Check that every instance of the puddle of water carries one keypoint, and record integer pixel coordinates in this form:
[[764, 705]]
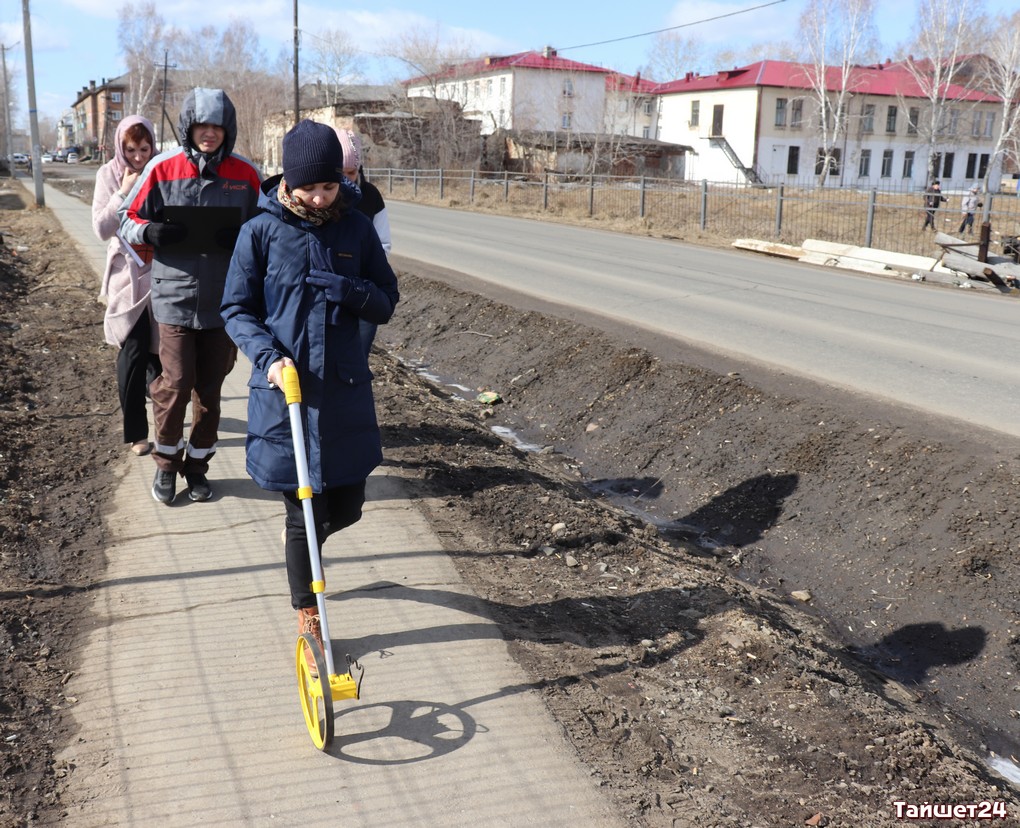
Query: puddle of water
[[459, 392], [1005, 768], [512, 437]]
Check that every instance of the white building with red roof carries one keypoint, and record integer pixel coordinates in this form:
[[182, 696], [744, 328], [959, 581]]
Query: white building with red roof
[[526, 91], [632, 106], [759, 123]]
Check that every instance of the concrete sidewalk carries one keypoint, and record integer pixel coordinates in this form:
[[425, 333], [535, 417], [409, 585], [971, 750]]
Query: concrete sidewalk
[[186, 701]]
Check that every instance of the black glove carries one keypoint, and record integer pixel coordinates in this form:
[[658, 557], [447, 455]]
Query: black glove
[[159, 234], [226, 237]]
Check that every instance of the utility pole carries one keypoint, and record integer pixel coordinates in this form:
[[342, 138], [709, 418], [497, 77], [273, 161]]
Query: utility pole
[[165, 118], [33, 115], [297, 88], [7, 111]]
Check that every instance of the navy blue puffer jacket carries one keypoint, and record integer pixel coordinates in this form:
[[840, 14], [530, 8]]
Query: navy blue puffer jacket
[[271, 312]]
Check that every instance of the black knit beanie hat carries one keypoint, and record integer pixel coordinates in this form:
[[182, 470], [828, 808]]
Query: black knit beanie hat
[[312, 153]]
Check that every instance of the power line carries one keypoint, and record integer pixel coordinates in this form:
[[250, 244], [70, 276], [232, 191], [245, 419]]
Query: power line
[[673, 28]]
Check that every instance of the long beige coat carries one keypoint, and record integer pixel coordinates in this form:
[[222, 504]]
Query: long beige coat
[[125, 285]]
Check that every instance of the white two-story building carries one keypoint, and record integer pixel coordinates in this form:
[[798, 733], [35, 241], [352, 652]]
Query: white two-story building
[[760, 123], [529, 91]]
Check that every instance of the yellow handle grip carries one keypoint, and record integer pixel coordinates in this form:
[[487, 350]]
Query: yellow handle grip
[[291, 384]]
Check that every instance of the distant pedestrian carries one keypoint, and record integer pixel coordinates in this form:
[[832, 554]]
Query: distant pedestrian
[[371, 204], [933, 198], [127, 323], [969, 207]]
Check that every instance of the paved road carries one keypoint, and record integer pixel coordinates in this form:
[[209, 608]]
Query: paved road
[[184, 700], [948, 351]]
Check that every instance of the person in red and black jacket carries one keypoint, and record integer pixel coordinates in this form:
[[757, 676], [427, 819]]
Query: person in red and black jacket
[[187, 282]]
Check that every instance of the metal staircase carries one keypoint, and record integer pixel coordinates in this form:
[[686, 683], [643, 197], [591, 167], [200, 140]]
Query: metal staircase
[[750, 173]]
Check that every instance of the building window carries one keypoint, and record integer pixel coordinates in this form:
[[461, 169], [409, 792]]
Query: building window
[[989, 124], [646, 132], [793, 161], [954, 121], [971, 164], [913, 117], [567, 118], [488, 88], [568, 87], [502, 87], [796, 113], [834, 155], [864, 166], [947, 165], [890, 119], [908, 164], [835, 118], [116, 114], [868, 118], [983, 165], [478, 89], [115, 97], [649, 106], [887, 159], [695, 113], [780, 112], [463, 90]]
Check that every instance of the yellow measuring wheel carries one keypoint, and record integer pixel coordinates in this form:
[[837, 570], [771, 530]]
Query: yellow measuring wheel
[[319, 685]]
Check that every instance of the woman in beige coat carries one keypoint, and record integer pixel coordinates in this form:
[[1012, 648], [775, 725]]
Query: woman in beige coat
[[128, 321]]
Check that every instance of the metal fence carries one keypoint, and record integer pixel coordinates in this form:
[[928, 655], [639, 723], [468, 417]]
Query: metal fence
[[683, 209]]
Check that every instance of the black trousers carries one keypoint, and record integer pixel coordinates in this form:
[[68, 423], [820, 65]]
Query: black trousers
[[136, 368], [332, 510]]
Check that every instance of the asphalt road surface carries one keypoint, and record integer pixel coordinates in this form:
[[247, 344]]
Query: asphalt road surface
[[947, 351]]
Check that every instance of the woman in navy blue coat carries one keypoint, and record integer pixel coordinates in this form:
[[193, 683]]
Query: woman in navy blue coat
[[304, 272]]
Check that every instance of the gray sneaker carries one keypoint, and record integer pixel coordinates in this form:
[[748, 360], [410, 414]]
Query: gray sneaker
[[164, 486]]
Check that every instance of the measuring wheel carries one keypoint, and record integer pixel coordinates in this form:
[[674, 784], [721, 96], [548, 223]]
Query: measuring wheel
[[314, 690], [318, 682]]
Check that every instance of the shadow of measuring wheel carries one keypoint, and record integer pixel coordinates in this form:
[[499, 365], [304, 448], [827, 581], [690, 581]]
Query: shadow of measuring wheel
[[398, 733]]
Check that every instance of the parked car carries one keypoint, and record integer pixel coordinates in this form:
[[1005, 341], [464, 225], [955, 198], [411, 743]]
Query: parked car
[[72, 158], [46, 158], [20, 158]]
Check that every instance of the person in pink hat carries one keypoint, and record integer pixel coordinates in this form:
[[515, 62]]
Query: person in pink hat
[[371, 204]]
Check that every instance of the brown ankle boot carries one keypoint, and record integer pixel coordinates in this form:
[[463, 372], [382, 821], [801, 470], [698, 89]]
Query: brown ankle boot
[[308, 622]]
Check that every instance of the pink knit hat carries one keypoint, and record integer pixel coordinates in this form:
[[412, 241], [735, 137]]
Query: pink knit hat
[[351, 143]]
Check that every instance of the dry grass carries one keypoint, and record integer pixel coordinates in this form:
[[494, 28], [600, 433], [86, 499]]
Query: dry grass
[[680, 210]]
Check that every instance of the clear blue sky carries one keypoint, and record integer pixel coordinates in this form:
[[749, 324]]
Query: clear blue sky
[[75, 41]]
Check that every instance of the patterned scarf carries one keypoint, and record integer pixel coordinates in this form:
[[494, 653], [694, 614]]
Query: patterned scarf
[[314, 215]]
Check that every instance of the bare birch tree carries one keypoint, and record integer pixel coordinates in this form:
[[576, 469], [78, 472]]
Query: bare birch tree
[[672, 55], [335, 61], [426, 53], [145, 41], [1000, 76], [941, 36], [768, 50], [432, 59], [836, 32]]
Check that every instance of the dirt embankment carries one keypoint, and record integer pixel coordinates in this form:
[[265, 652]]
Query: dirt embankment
[[899, 534]]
